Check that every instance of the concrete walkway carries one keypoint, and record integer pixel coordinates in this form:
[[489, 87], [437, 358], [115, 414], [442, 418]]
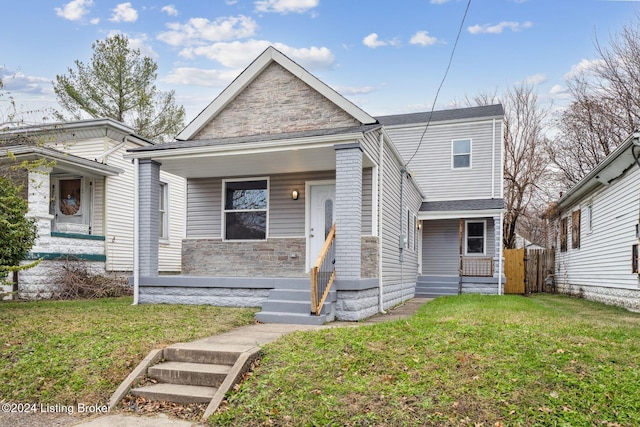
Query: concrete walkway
[[250, 336]]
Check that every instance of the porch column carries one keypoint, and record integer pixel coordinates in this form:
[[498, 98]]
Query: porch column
[[497, 236], [148, 216], [348, 210], [39, 188]]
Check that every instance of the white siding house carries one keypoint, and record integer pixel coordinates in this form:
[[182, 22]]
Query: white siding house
[[88, 169], [595, 232]]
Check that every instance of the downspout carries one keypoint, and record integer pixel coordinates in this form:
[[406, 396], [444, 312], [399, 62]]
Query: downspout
[[380, 217], [500, 245], [493, 161], [136, 234]]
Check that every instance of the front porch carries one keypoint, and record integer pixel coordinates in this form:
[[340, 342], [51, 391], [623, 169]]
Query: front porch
[[255, 229], [461, 248], [65, 196]]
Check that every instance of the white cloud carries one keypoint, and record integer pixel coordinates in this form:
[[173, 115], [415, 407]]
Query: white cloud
[[584, 66], [170, 10], [353, 90], [74, 10], [423, 38], [535, 79], [373, 42], [439, 1], [200, 30], [285, 6], [17, 82], [499, 28], [124, 12], [95, 21], [239, 54], [200, 77], [557, 90]]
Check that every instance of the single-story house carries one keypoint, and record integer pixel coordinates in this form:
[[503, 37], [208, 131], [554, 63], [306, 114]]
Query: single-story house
[[595, 231], [82, 198]]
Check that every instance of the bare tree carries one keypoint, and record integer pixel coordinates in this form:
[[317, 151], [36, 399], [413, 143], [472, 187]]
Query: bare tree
[[525, 160], [605, 107]]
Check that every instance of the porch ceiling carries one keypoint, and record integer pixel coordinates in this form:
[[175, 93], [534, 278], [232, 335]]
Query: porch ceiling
[[247, 163]]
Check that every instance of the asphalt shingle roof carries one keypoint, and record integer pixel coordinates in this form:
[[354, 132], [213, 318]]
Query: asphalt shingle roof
[[442, 115], [462, 205]]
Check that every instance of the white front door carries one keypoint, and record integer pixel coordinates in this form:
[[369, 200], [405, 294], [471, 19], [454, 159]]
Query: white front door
[[321, 217]]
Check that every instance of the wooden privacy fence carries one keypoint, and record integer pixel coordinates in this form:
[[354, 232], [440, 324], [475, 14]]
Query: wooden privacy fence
[[528, 271]]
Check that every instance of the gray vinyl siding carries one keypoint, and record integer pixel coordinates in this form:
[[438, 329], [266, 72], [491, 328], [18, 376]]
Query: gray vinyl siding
[[393, 271], [204, 205], [371, 145], [432, 164], [366, 201], [604, 256], [286, 216], [440, 247]]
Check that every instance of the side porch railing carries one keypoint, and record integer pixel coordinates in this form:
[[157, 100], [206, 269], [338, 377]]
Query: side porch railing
[[323, 273], [476, 266]]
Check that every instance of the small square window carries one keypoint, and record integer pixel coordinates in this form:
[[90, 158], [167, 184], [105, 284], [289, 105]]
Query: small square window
[[461, 153]]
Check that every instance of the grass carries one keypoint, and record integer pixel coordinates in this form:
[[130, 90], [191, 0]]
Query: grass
[[544, 360], [65, 352]]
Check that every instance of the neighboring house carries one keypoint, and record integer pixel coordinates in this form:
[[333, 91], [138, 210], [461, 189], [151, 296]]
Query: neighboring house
[[278, 157], [83, 199], [595, 232]]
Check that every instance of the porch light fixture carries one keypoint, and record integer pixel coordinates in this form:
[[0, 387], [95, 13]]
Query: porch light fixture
[[419, 226], [294, 194]]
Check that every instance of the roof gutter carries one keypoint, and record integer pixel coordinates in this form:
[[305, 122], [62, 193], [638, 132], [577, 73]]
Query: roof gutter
[[592, 179], [275, 145]]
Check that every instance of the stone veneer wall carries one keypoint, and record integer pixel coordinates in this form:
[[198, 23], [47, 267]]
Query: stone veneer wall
[[283, 102], [370, 257], [360, 304], [626, 298], [269, 258], [37, 282]]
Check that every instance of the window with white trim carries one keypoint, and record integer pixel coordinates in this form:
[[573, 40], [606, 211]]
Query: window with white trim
[[461, 154], [163, 209], [589, 219], [475, 237], [246, 203]]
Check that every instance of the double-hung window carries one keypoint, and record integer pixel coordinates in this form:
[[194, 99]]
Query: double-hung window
[[163, 209], [246, 204], [461, 154], [475, 237]]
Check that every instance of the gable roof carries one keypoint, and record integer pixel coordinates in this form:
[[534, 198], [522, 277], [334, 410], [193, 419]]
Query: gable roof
[[457, 114], [267, 57], [62, 160]]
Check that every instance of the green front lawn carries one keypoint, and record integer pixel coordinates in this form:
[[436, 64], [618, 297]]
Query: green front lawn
[[64, 352], [471, 360]]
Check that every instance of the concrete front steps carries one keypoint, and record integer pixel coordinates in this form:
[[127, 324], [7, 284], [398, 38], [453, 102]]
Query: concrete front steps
[[293, 305], [196, 372], [436, 286]]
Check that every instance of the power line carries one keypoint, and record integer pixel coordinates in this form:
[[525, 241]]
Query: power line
[[433, 106]]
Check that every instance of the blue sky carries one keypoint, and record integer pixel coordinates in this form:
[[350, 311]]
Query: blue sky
[[386, 56]]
